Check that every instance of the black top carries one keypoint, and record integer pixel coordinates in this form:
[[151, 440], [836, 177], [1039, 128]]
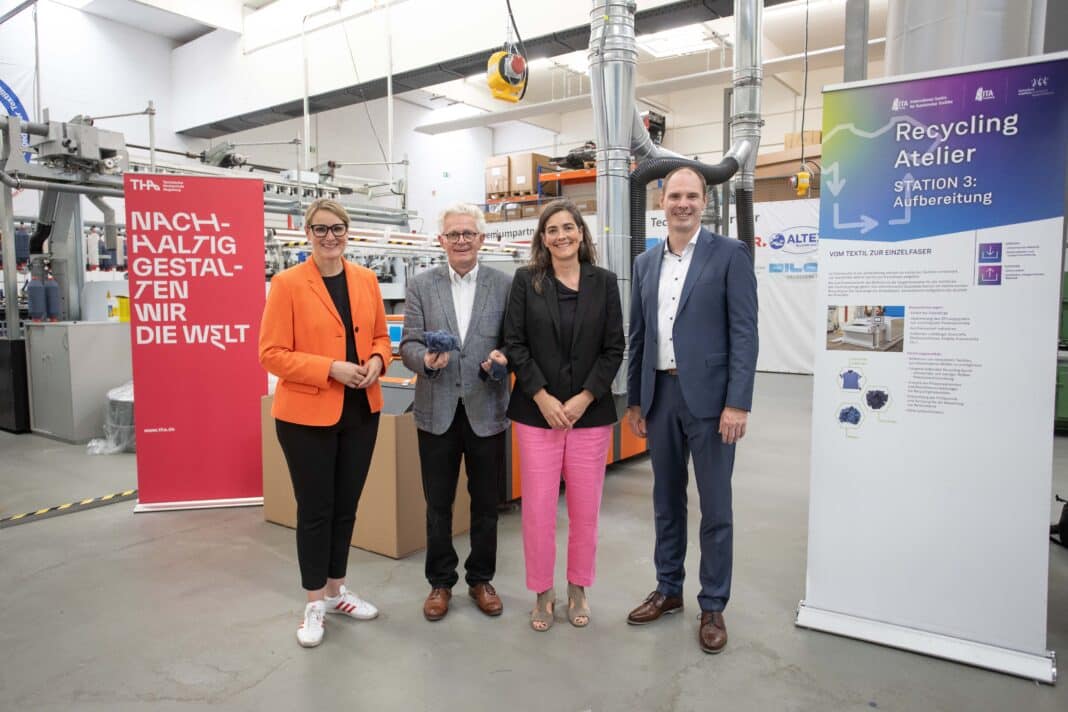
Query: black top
[[355, 398], [567, 298], [540, 353], [339, 292]]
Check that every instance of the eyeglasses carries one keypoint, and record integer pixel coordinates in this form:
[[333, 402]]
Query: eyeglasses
[[467, 235], [337, 230]]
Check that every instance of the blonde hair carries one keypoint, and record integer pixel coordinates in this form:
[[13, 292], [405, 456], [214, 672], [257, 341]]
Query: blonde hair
[[463, 209], [330, 206]]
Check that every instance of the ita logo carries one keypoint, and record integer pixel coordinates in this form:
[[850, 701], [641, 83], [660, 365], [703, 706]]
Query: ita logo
[[982, 94]]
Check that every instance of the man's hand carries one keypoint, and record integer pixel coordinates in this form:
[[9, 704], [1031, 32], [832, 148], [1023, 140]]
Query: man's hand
[[436, 362], [552, 410], [495, 356], [732, 423], [636, 421], [577, 404], [346, 373], [370, 371]]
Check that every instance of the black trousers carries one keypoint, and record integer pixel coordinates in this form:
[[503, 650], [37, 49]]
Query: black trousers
[[439, 458], [328, 466]]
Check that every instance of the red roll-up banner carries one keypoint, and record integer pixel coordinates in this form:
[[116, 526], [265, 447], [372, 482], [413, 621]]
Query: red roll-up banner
[[196, 271]]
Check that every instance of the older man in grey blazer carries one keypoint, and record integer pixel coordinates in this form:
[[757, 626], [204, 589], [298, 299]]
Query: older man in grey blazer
[[460, 404]]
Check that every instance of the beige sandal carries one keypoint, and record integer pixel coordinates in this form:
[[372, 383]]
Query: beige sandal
[[578, 608], [541, 618]]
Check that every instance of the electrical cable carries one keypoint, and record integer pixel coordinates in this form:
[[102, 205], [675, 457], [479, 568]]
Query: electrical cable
[[522, 51], [804, 95], [370, 122]]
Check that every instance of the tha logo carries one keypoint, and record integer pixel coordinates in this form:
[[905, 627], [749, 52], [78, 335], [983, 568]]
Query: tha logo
[[144, 184], [984, 94]]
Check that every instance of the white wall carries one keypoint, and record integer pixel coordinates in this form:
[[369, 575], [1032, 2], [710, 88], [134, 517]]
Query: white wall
[[264, 68], [443, 169], [91, 65], [694, 119]]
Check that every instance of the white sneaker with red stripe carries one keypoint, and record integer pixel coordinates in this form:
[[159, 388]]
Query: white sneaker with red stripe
[[310, 632], [349, 604]]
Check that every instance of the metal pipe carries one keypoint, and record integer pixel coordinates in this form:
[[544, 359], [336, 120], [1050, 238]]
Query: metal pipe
[[642, 145], [111, 232], [151, 136], [11, 275], [36, 66], [613, 54], [389, 94], [747, 80], [30, 184], [16, 10], [33, 128], [856, 41]]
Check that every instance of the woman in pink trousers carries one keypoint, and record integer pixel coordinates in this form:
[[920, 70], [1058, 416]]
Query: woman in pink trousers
[[563, 333]]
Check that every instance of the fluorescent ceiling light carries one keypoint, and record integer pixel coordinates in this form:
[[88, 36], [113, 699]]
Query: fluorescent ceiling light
[[678, 41], [800, 5], [578, 62], [76, 4]]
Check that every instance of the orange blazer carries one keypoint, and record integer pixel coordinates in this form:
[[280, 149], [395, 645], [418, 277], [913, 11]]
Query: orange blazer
[[302, 334]]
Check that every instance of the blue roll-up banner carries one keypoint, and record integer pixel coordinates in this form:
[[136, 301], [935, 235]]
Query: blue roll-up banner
[[940, 262], [13, 106]]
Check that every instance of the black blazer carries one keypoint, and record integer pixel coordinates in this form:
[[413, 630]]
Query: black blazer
[[532, 344]]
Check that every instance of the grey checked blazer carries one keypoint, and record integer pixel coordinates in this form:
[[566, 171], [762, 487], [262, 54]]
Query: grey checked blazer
[[428, 306]]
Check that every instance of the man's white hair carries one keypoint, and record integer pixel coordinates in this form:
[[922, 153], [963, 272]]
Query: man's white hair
[[463, 209]]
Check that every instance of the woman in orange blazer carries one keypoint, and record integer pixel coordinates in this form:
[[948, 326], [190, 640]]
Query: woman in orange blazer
[[324, 335]]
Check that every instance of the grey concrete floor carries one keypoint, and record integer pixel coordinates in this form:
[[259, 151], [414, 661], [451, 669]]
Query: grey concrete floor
[[107, 610]]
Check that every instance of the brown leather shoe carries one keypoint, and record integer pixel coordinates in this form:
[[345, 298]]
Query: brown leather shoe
[[712, 635], [655, 605], [437, 603], [486, 598]]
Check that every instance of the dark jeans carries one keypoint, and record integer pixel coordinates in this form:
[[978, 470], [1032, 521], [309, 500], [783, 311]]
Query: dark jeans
[[675, 436], [439, 457], [328, 466]]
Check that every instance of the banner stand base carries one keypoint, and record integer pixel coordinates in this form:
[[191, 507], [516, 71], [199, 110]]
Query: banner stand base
[[1033, 667], [197, 504]]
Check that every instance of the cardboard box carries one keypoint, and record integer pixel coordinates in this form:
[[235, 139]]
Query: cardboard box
[[391, 517], [793, 140], [531, 211], [524, 167], [498, 175], [586, 205], [494, 216]]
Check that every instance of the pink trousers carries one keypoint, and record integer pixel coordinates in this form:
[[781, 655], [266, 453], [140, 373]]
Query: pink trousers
[[579, 456]]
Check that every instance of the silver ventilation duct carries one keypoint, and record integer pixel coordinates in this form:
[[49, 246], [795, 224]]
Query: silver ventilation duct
[[620, 132], [613, 55], [748, 76]]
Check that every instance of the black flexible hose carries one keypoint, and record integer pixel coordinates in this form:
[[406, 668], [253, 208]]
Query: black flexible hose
[[743, 206], [37, 240], [656, 168]]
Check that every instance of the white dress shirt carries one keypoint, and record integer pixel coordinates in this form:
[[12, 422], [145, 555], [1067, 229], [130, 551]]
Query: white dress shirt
[[463, 298], [673, 269]]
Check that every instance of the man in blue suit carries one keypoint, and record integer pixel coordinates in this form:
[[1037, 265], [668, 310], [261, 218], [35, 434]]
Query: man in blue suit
[[693, 350]]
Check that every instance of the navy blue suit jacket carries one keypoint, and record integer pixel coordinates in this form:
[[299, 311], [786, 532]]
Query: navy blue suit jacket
[[714, 333]]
